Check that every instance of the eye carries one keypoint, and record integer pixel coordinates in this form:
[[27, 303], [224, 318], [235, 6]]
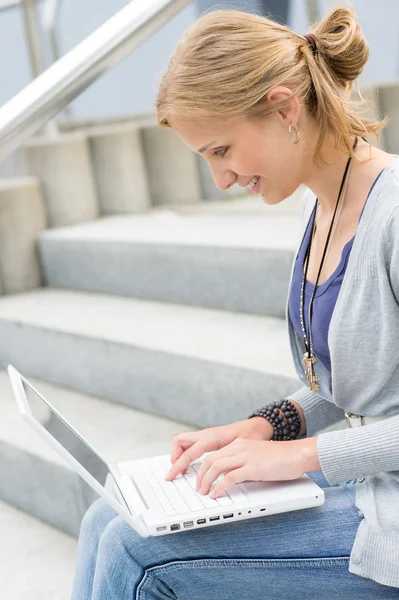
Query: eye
[[220, 153]]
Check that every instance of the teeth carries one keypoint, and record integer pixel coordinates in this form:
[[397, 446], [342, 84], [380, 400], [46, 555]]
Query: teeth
[[253, 182]]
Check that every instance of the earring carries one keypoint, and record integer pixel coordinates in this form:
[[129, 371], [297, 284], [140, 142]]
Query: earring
[[296, 140]]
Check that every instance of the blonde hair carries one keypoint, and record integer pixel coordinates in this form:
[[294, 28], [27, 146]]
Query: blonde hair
[[228, 60]]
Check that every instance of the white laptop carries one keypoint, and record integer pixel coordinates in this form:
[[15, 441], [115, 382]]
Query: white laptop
[[137, 489]]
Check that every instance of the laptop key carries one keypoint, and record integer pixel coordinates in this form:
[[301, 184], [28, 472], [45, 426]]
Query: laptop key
[[188, 494], [141, 482]]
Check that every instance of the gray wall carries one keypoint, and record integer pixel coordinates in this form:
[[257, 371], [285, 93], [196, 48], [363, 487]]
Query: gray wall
[[131, 87]]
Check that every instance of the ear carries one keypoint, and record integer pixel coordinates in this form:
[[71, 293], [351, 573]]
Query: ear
[[290, 109]]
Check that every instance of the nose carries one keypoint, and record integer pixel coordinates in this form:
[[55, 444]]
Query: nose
[[223, 179]]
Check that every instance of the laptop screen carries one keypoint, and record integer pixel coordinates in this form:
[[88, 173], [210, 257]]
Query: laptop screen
[[66, 436]]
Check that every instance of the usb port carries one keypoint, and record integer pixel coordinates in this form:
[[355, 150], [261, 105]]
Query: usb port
[[214, 518], [175, 527], [188, 524], [201, 521], [229, 516], [163, 528]]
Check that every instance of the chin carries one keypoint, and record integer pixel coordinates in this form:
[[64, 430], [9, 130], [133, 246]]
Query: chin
[[271, 200]]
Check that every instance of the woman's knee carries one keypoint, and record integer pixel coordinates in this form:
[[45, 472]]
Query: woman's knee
[[96, 519]]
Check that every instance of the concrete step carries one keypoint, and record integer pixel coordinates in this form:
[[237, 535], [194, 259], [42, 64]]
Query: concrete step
[[201, 366], [235, 256], [37, 561], [36, 479]]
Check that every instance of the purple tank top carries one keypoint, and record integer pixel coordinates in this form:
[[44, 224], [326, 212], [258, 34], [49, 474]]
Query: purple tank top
[[325, 297]]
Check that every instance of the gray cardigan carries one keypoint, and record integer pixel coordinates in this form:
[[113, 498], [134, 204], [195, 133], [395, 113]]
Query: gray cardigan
[[363, 339]]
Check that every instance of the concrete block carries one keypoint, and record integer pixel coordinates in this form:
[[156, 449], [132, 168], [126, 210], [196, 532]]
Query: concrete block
[[22, 217], [199, 366], [43, 488], [119, 169], [48, 557], [389, 103], [172, 169], [14, 165], [209, 260], [63, 165]]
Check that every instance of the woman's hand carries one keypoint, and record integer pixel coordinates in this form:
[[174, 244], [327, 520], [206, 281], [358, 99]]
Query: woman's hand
[[189, 446], [250, 460]]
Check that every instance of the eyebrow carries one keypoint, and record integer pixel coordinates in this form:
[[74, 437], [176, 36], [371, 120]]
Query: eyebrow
[[201, 150]]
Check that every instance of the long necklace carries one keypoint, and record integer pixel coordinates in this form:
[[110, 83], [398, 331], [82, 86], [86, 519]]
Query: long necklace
[[339, 211], [309, 358]]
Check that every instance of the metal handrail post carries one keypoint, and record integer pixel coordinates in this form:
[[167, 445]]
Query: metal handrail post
[[47, 95], [49, 16], [36, 54]]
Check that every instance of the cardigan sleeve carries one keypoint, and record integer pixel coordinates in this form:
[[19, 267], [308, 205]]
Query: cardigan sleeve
[[348, 454], [319, 413]]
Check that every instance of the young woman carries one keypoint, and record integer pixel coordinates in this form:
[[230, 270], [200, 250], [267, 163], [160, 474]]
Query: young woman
[[270, 109]]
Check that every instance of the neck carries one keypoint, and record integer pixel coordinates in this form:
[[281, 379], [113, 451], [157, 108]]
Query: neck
[[325, 179]]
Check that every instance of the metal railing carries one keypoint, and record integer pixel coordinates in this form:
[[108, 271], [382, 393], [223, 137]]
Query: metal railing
[[56, 87]]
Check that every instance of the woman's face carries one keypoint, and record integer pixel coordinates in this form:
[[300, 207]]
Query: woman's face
[[243, 148]]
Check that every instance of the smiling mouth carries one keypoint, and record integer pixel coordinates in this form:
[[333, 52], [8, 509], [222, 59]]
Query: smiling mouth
[[253, 182]]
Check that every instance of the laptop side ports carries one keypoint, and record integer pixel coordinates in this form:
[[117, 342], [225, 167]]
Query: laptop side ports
[[229, 516], [201, 521], [188, 524], [214, 518], [175, 527]]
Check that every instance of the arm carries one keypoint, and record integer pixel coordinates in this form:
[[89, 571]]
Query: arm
[[351, 453], [316, 413]]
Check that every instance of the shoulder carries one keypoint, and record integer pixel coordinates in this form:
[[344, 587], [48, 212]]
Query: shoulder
[[388, 196]]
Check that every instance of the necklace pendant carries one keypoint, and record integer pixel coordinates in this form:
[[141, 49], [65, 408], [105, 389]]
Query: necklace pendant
[[309, 373]]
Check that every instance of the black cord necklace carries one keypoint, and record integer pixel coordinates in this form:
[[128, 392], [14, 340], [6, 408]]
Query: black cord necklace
[[309, 358]]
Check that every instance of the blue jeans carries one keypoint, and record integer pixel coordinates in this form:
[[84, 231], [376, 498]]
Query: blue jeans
[[297, 555]]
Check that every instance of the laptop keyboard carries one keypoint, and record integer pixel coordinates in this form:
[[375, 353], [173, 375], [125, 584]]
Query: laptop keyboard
[[179, 496]]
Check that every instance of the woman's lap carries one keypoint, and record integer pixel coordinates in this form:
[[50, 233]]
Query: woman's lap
[[300, 554]]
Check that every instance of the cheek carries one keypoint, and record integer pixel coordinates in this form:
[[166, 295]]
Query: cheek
[[281, 165], [280, 179]]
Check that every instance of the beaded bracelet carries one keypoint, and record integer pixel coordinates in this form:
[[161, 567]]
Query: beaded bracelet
[[284, 429]]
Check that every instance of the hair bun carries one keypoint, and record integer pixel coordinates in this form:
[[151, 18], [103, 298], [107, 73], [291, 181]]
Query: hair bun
[[342, 44]]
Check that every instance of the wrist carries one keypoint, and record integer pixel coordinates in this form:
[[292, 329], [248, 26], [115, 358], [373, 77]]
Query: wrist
[[307, 449], [264, 427]]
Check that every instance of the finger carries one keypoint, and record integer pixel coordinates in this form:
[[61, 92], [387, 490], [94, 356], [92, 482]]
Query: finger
[[187, 458], [224, 465], [209, 460], [232, 478], [180, 443], [204, 468]]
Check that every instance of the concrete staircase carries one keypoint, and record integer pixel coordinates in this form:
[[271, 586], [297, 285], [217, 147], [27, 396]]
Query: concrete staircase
[[149, 325]]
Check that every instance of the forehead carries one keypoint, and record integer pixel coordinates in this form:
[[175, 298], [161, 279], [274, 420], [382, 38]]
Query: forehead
[[214, 132]]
